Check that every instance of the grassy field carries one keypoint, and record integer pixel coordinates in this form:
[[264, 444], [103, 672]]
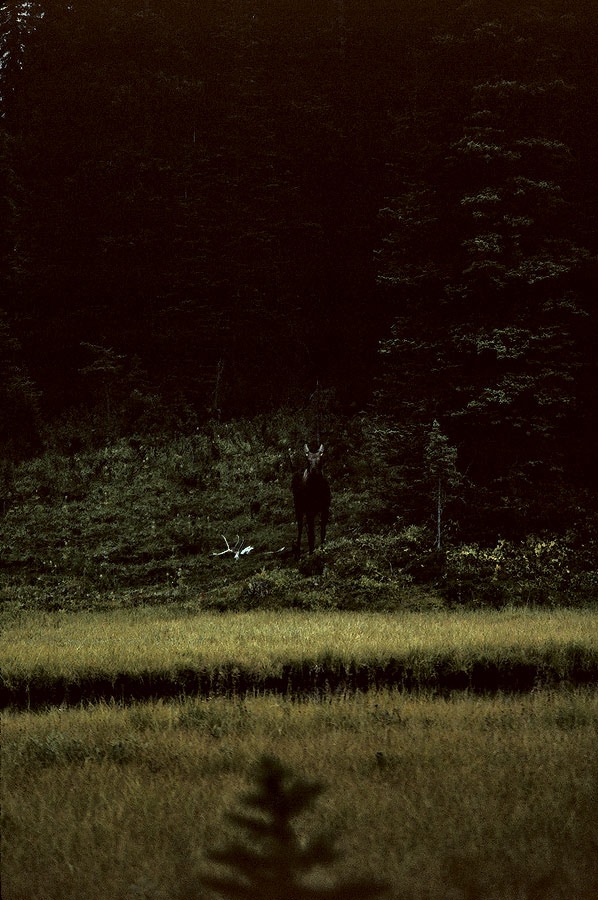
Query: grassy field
[[444, 798], [442, 794], [69, 657]]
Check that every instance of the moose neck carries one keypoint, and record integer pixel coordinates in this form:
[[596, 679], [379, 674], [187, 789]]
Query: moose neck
[[311, 475]]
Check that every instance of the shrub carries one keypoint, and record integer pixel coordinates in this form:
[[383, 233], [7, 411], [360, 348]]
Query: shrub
[[537, 571], [380, 570]]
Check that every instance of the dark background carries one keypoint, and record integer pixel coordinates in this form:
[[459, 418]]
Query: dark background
[[208, 208]]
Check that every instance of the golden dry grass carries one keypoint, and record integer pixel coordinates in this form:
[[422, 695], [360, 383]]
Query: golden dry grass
[[150, 640], [110, 802]]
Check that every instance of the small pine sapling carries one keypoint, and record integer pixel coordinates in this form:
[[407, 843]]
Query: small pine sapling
[[441, 471], [268, 860]]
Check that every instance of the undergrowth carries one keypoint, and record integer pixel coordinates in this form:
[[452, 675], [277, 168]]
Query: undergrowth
[[149, 520]]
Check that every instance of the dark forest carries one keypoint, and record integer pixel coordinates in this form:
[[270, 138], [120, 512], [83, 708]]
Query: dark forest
[[218, 211]]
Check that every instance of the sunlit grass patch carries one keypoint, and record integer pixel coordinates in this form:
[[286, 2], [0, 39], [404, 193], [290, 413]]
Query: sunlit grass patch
[[145, 652]]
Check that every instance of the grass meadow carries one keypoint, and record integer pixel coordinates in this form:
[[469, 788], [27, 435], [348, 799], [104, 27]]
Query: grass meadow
[[460, 797], [446, 700], [441, 793], [64, 657]]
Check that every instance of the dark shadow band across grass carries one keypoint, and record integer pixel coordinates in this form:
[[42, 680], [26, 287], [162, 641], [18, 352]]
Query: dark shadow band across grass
[[305, 679]]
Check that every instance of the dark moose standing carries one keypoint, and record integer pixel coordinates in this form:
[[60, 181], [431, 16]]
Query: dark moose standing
[[311, 494]]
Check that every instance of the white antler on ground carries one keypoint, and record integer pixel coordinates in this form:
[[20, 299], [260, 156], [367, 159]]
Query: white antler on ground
[[237, 549]]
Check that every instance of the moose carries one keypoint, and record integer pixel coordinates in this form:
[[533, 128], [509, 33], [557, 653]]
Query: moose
[[311, 495]]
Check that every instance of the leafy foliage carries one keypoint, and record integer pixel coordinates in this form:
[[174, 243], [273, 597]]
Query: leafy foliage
[[209, 210], [541, 571], [195, 191]]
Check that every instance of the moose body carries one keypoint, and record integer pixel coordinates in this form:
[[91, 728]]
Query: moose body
[[311, 494]]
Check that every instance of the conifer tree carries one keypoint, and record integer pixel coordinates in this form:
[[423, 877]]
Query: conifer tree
[[268, 860], [440, 462], [491, 284]]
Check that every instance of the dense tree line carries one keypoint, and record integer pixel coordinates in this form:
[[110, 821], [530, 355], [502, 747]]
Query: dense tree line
[[208, 207]]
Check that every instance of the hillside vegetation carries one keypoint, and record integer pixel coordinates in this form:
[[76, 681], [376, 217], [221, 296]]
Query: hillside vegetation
[[144, 520], [209, 209]]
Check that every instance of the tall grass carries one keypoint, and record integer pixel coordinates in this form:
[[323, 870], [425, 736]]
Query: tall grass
[[491, 796], [165, 650]]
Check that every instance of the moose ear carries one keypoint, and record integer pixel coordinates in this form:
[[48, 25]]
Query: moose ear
[[321, 450], [306, 450]]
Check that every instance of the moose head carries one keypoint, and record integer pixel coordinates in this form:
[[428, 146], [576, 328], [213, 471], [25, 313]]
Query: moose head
[[314, 460]]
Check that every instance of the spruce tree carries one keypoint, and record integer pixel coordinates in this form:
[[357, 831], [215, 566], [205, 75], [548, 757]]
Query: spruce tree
[[491, 284], [267, 859], [440, 464]]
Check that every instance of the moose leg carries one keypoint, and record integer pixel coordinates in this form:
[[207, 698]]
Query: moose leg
[[311, 533], [323, 524], [299, 533]]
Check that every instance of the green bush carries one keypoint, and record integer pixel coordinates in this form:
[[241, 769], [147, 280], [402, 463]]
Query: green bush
[[537, 571], [376, 571]]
